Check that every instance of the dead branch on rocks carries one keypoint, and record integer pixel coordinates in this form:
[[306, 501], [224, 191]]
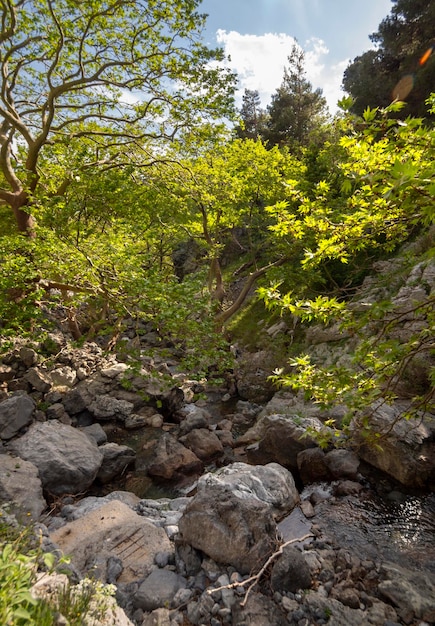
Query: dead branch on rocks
[[253, 580]]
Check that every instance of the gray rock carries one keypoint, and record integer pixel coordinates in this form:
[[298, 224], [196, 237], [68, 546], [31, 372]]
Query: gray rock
[[271, 484], [231, 530], [409, 591], [280, 438], [116, 458], [28, 356], [96, 433], [66, 459], [15, 413], [21, 487], [290, 572], [259, 611], [343, 464], [158, 589], [77, 400], [407, 448], [159, 617], [38, 378], [106, 407], [63, 376], [312, 466]]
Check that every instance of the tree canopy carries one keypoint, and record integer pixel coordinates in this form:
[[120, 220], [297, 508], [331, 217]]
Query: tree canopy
[[120, 75], [401, 41]]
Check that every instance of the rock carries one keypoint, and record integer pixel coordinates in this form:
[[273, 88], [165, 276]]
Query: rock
[[134, 421], [231, 530], [290, 572], [77, 400], [271, 484], [159, 617], [73, 512], [194, 417], [407, 449], [20, 486], [172, 459], [312, 466], [66, 459], [114, 371], [347, 488], [258, 611], [158, 589], [113, 530], [116, 458], [106, 407], [6, 373], [280, 438], [409, 591], [96, 433], [38, 378], [57, 411], [63, 376], [15, 413], [204, 443], [253, 377], [343, 464], [28, 356]]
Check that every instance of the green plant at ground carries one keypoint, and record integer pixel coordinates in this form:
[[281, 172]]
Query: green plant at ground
[[22, 562]]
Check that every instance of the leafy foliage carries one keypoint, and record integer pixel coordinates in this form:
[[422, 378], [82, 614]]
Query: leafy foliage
[[387, 195], [21, 562]]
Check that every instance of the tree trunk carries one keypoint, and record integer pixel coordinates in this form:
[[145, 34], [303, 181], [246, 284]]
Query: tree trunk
[[24, 219], [225, 315]]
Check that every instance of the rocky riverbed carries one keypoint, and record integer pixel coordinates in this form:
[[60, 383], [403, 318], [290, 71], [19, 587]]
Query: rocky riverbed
[[218, 511]]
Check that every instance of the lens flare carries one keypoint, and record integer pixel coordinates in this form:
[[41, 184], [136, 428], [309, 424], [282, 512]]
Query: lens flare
[[426, 55], [403, 87]]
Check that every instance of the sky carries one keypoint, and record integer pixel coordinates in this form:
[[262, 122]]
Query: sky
[[258, 36]]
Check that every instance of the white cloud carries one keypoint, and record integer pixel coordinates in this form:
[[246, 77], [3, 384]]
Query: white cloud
[[259, 61]]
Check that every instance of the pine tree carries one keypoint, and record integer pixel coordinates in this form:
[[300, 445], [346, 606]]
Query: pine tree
[[296, 109], [252, 117]]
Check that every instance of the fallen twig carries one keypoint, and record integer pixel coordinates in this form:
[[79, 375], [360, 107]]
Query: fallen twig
[[256, 577]]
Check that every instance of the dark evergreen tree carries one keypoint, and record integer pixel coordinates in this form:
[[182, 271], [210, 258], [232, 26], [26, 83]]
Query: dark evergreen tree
[[296, 109], [402, 39], [252, 117]]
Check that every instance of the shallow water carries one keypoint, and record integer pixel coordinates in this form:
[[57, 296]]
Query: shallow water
[[401, 531]]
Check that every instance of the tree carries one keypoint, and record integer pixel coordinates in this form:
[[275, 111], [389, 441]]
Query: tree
[[125, 74], [401, 40], [253, 118], [387, 197], [296, 110]]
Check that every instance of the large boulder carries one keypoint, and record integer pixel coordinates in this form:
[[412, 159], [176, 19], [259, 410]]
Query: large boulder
[[67, 460], [15, 413], [204, 443], [271, 484], [252, 374], [112, 530], [116, 458], [406, 448], [21, 488], [279, 439], [172, 460], [234, 531]]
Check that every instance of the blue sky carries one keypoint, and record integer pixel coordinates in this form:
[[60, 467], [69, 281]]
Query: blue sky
[[258, 35]]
